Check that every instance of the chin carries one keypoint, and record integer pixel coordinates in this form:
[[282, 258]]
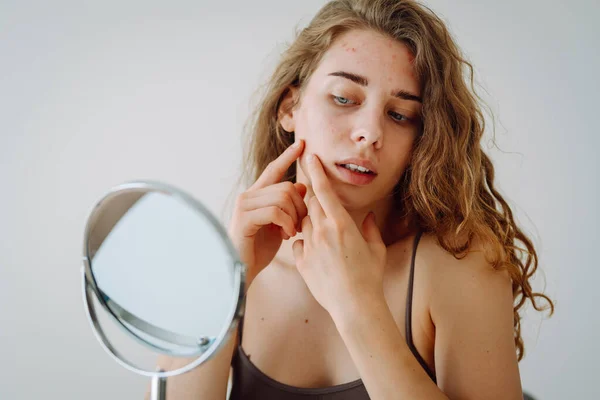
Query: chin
[[350, 201]]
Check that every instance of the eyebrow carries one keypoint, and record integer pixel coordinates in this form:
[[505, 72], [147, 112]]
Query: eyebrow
[[361, 80]]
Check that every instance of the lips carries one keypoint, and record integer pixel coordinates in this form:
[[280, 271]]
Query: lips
[[363, 162], [354, 178]]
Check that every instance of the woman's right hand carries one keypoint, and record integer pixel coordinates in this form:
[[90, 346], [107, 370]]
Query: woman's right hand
[[267, 213]]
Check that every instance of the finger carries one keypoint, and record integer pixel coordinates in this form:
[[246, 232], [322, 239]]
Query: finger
[[301, 208], [323, 190], [301, 189], [276, 195], [276, 169], [307, 227], [298, 248], [269, 215], [283, 200], [317, 215]]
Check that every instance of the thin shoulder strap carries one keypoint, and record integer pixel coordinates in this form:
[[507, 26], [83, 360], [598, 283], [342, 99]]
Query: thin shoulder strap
[[240, 328], [408, 321]]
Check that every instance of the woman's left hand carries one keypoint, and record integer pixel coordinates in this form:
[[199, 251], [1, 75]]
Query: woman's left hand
[[341, 264]]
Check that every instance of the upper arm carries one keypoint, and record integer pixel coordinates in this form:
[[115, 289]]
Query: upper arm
[[210, 380], [475, 353]]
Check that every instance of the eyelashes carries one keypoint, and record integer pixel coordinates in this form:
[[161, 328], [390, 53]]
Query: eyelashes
[[344, 101], [400, 117]]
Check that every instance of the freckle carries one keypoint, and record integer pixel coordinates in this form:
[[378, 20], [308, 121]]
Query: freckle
[[262, 319], [306, 321], [354, 50], [370, 356]]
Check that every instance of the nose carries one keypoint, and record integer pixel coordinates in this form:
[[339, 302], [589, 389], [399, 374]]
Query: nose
[[369, 128]]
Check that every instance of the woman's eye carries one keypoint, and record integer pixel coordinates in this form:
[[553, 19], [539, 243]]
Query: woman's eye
[[398, 117], [342, 100]]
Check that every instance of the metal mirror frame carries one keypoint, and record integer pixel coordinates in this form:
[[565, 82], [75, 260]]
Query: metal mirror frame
[[90, 289]]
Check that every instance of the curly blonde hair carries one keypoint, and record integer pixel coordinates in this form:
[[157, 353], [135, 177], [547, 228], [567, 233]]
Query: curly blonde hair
[[449, 185]]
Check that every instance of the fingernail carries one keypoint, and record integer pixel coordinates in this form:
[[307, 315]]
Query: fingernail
[[310, 158], [297, 143]]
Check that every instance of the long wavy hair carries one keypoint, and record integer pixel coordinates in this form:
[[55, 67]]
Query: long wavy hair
[[449, 185]]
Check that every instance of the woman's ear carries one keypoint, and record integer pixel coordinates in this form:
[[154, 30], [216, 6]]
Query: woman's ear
[[285, 113]]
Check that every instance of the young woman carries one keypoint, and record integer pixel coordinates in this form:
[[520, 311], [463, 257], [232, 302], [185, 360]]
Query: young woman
[[385, 266]]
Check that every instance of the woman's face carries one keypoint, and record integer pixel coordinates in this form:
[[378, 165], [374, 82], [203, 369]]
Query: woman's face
[[362, 101]]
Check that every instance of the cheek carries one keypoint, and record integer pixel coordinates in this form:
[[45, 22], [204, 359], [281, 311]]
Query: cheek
[[320, 128], [401, 155], [334, 128]]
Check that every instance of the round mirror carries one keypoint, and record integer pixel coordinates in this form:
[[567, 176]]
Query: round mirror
[[160, 277]]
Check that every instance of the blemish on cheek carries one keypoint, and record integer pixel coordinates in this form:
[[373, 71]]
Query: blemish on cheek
[[331, 127]]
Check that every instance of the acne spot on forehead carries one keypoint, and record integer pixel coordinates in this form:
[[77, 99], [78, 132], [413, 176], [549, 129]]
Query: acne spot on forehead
[[348, 49]]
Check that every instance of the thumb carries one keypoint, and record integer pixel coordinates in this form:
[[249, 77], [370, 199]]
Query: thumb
[[301, 188], [370, 229]]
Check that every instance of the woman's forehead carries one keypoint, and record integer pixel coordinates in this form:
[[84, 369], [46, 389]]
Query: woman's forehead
[[382, 60]]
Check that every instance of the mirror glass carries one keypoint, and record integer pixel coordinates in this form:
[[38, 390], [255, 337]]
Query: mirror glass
[[164, 276]]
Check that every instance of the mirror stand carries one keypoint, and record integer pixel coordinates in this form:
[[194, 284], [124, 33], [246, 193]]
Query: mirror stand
[[158, 387]]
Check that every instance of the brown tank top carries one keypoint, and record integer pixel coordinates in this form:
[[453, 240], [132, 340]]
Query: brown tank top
[[250, 383]]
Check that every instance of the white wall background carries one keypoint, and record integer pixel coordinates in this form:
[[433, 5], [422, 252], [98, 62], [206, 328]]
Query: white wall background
[[92, 95]]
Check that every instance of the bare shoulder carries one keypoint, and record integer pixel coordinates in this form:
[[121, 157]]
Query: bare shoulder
[[468, 276], [471, 306]]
